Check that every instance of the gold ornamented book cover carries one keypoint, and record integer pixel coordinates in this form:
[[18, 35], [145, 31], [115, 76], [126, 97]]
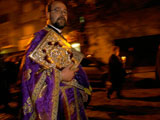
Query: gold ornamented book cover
[[55, 52]]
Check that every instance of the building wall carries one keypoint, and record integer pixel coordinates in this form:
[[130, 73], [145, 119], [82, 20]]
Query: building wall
[[21, 18], [24, 19], [126, 24]]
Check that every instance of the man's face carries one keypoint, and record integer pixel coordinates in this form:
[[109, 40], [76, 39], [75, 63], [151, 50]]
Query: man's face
[[58, 15]]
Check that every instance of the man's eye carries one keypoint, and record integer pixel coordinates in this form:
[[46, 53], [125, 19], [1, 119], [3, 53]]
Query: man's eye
[[65, 12], [57, 10]]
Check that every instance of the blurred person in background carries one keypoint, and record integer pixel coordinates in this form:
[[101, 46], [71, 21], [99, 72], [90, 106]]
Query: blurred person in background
[[116, 73], [4, 83], [12, 68], [44, 95]]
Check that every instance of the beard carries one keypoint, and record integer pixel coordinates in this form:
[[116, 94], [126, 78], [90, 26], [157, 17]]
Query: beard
[[60, 23]]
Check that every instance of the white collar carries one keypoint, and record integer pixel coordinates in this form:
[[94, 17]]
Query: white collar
[[60, 31]]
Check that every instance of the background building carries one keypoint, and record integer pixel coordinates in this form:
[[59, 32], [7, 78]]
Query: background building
[[95, 24]]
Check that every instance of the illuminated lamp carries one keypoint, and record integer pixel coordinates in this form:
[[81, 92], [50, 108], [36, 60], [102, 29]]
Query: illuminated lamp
[[123, 58]]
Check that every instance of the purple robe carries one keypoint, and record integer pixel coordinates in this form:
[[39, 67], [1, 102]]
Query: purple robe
[[44, 97]]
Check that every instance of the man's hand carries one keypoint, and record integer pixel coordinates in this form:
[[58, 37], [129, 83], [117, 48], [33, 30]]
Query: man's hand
[[68, 74]]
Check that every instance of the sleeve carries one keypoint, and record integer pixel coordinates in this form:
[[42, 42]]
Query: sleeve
[[37, 86], [82, 79]]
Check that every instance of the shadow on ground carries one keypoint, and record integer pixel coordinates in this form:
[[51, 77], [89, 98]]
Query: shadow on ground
[[114, 111], [147, 83]]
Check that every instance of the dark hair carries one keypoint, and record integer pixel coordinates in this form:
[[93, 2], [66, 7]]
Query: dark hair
[[49, 6], [115, 48]]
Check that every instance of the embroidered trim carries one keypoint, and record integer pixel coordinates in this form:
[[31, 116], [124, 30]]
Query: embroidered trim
[[72, 107], [42, 90], [39, 86], [66, 87], [77, 105], [90, 88], [27, 74], [86, 90], [74, 83], [27, 107], [66, 100], [77, 85], [33, 117], [36, 92], [49, 71], [55, 95]]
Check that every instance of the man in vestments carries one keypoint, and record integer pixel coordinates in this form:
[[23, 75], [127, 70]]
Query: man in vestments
[[47, 93]]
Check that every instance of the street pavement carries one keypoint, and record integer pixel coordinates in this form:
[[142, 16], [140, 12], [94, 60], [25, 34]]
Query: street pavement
[[141, 99]]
